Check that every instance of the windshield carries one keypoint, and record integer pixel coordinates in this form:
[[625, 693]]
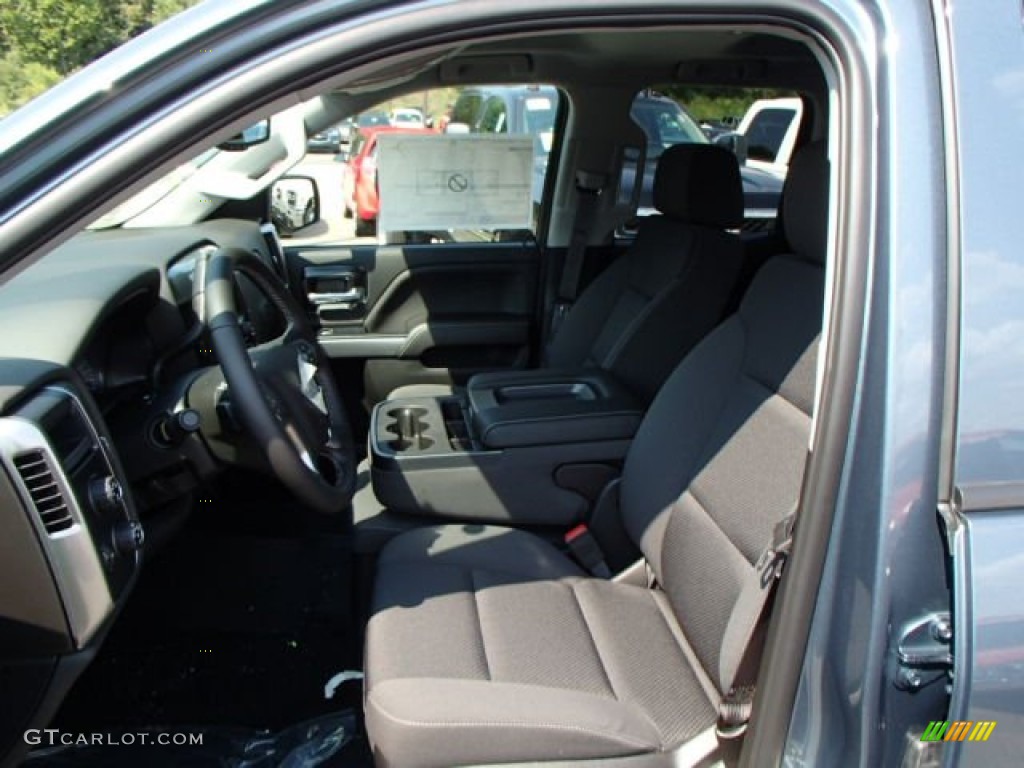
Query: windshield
[[370, 119], [149, 196]]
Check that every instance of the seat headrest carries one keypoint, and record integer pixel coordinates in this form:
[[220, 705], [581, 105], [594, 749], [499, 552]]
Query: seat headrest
[[805, 203], [699, 184]]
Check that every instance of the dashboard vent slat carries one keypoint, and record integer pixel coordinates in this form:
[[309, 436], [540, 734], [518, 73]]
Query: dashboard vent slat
[[47, 498]]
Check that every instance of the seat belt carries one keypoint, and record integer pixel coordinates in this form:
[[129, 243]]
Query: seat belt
[[588, 190], [744, 634], [587, 552]]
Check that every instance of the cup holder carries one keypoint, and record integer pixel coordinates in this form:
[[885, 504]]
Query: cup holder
[[409, 428]]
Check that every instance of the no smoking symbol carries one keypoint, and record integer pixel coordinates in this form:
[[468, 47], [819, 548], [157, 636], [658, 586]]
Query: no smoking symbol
[[458, 183]]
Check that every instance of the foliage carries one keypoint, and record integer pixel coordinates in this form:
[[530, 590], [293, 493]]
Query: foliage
[[42, 41], [21, 81], [718, 103], [58, 34]]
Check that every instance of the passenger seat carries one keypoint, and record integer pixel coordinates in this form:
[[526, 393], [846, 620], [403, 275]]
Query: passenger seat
[[489, 646], [644, 313]]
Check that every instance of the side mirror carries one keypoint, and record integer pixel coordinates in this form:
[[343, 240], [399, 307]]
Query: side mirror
[[735, 143], [294, 204], [254, 134], [456, 128]]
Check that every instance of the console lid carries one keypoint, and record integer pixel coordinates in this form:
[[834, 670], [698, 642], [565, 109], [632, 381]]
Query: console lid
[[545, 407]]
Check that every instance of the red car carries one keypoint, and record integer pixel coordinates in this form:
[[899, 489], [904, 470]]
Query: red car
[[360, 190]]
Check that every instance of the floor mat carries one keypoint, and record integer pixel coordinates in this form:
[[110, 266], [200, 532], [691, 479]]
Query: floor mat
[[232, 632], [225, 631]]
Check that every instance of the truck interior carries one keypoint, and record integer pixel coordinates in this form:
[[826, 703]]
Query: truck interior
[[539, 521]]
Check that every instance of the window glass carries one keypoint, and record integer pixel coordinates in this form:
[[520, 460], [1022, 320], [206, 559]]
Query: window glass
[[664, 123], [675, 114], [766, 131], [372, 118], [473, 169]]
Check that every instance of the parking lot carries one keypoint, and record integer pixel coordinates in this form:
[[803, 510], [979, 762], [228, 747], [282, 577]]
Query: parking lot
[[333, 227], [328, 171]]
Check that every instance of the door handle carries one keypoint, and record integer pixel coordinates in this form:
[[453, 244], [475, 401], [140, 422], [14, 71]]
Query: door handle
[[350, 296]]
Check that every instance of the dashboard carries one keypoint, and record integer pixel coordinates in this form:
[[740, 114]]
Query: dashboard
[[101, 340]]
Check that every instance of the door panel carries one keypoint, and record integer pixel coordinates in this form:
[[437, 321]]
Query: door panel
[[432, 313]]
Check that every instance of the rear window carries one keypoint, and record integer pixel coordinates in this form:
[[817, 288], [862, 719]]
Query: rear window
[[674, 114], [766, 132], [664, 123]]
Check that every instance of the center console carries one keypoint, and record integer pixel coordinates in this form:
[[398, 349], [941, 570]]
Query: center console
[[526, 447]]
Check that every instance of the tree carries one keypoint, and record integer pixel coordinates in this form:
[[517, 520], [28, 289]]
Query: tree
[[710, 103], [59, 34], [42, 41], [140, 15], [22, 81]]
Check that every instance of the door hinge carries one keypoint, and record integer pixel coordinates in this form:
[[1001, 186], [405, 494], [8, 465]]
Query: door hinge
[[925, 651]]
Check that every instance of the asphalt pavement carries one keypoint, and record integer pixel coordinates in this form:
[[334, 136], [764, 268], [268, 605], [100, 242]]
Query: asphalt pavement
[[333, 227]]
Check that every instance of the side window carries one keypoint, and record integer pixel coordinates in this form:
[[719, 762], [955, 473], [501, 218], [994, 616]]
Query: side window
[[766, 131], [676, 114], [474, 170], [665, 122]]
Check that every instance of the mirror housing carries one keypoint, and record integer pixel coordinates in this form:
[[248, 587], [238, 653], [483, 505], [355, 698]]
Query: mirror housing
[[254, 134], [735, 143], [294, 204]]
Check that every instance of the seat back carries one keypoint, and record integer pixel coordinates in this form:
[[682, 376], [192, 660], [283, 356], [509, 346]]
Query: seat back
[[641, 316], [733, 420]]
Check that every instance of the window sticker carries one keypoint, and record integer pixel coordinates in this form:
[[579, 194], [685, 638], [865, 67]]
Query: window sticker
[[455, 182]]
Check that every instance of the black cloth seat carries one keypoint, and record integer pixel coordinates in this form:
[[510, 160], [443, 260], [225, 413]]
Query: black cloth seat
[[536, 657], [488, 646], [678, 276]]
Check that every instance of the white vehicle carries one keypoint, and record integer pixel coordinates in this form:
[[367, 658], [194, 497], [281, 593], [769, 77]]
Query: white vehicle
[[770, 127], [407, 117]]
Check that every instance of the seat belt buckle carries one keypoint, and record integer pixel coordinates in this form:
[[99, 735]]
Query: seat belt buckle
[[587, 552], [769, 564], [558, 313], [590, 183], [734, 712]]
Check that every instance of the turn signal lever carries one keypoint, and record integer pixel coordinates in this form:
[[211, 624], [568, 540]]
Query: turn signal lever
[[175, 427]]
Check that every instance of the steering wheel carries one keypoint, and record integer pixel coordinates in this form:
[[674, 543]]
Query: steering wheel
[[282, 393]]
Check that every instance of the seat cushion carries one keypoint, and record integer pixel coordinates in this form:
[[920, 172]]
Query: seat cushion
[[488, 646]]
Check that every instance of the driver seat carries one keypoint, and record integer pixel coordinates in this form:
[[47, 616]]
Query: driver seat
[[489, 646]]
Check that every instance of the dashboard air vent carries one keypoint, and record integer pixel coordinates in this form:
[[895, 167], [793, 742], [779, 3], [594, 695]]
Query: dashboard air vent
[[46, 494]]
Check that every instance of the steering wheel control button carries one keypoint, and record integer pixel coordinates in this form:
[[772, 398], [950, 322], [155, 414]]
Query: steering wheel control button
[[173, 429], [129, 537], [106, 495]]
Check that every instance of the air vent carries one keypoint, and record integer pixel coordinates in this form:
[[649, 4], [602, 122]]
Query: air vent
[[46, 494]]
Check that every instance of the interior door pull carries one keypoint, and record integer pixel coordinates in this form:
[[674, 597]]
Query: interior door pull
[[341, 297]]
